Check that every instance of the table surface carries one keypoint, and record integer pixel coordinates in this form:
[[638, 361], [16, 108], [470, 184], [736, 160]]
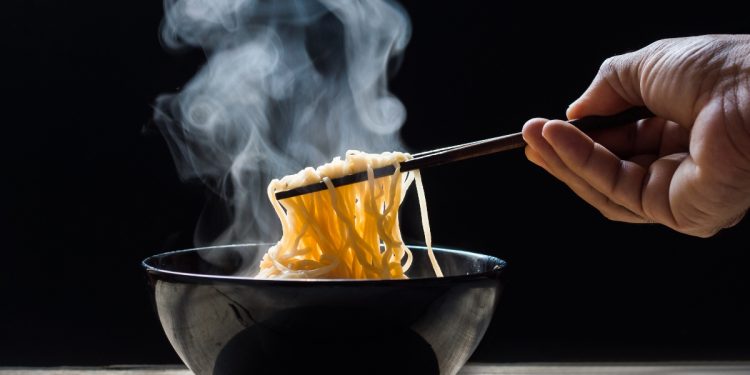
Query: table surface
[[470, 369]]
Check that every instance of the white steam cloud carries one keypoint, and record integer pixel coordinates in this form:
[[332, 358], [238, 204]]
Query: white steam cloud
[[287, 84]]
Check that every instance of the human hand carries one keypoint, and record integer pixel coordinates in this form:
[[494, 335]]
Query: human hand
[[687, 168]]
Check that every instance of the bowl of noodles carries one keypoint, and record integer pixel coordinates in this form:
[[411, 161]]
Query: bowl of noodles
[[219, 323], [339, 293]]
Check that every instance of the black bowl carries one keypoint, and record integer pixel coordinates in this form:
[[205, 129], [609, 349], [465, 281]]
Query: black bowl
[[224, 324]]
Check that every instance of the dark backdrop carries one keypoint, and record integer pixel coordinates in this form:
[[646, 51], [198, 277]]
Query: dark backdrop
[[89, 189]]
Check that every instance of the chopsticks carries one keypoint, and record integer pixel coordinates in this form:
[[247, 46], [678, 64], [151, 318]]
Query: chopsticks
[[471, 150]]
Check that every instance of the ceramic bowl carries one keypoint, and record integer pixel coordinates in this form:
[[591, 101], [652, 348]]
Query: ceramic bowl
[[220, 323]]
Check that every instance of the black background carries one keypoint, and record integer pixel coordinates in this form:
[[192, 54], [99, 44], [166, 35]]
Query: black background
[[89, 188]]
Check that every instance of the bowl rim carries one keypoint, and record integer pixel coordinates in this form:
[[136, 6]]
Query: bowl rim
[[189, 277]]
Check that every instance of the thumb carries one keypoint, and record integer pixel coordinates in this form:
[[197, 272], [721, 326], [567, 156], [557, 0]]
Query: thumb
[[674, 78], [615, 88]]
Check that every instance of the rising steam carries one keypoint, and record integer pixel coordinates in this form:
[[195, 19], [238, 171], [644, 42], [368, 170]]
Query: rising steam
[[287, 84]]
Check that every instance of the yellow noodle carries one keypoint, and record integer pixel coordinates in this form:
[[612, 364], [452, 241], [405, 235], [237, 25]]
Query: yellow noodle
[[346, 232]]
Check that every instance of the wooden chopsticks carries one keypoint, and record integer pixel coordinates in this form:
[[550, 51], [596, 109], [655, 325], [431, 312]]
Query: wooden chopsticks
[[472, 150]]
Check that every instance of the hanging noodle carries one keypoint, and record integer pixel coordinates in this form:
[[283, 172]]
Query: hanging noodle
[[346, 232]]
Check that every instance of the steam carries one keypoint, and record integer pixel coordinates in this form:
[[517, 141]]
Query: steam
[[287, 84]]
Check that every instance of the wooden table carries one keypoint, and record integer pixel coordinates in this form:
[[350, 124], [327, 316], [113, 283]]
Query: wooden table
[[470, 369]]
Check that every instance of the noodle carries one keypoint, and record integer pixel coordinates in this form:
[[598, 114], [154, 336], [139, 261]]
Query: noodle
[[346, 232]]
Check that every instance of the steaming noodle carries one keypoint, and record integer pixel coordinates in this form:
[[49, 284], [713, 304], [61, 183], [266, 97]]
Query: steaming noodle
[[346, 232], [349, 232]]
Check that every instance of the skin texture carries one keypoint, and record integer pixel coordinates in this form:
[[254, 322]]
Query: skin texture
[[687, 168]]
